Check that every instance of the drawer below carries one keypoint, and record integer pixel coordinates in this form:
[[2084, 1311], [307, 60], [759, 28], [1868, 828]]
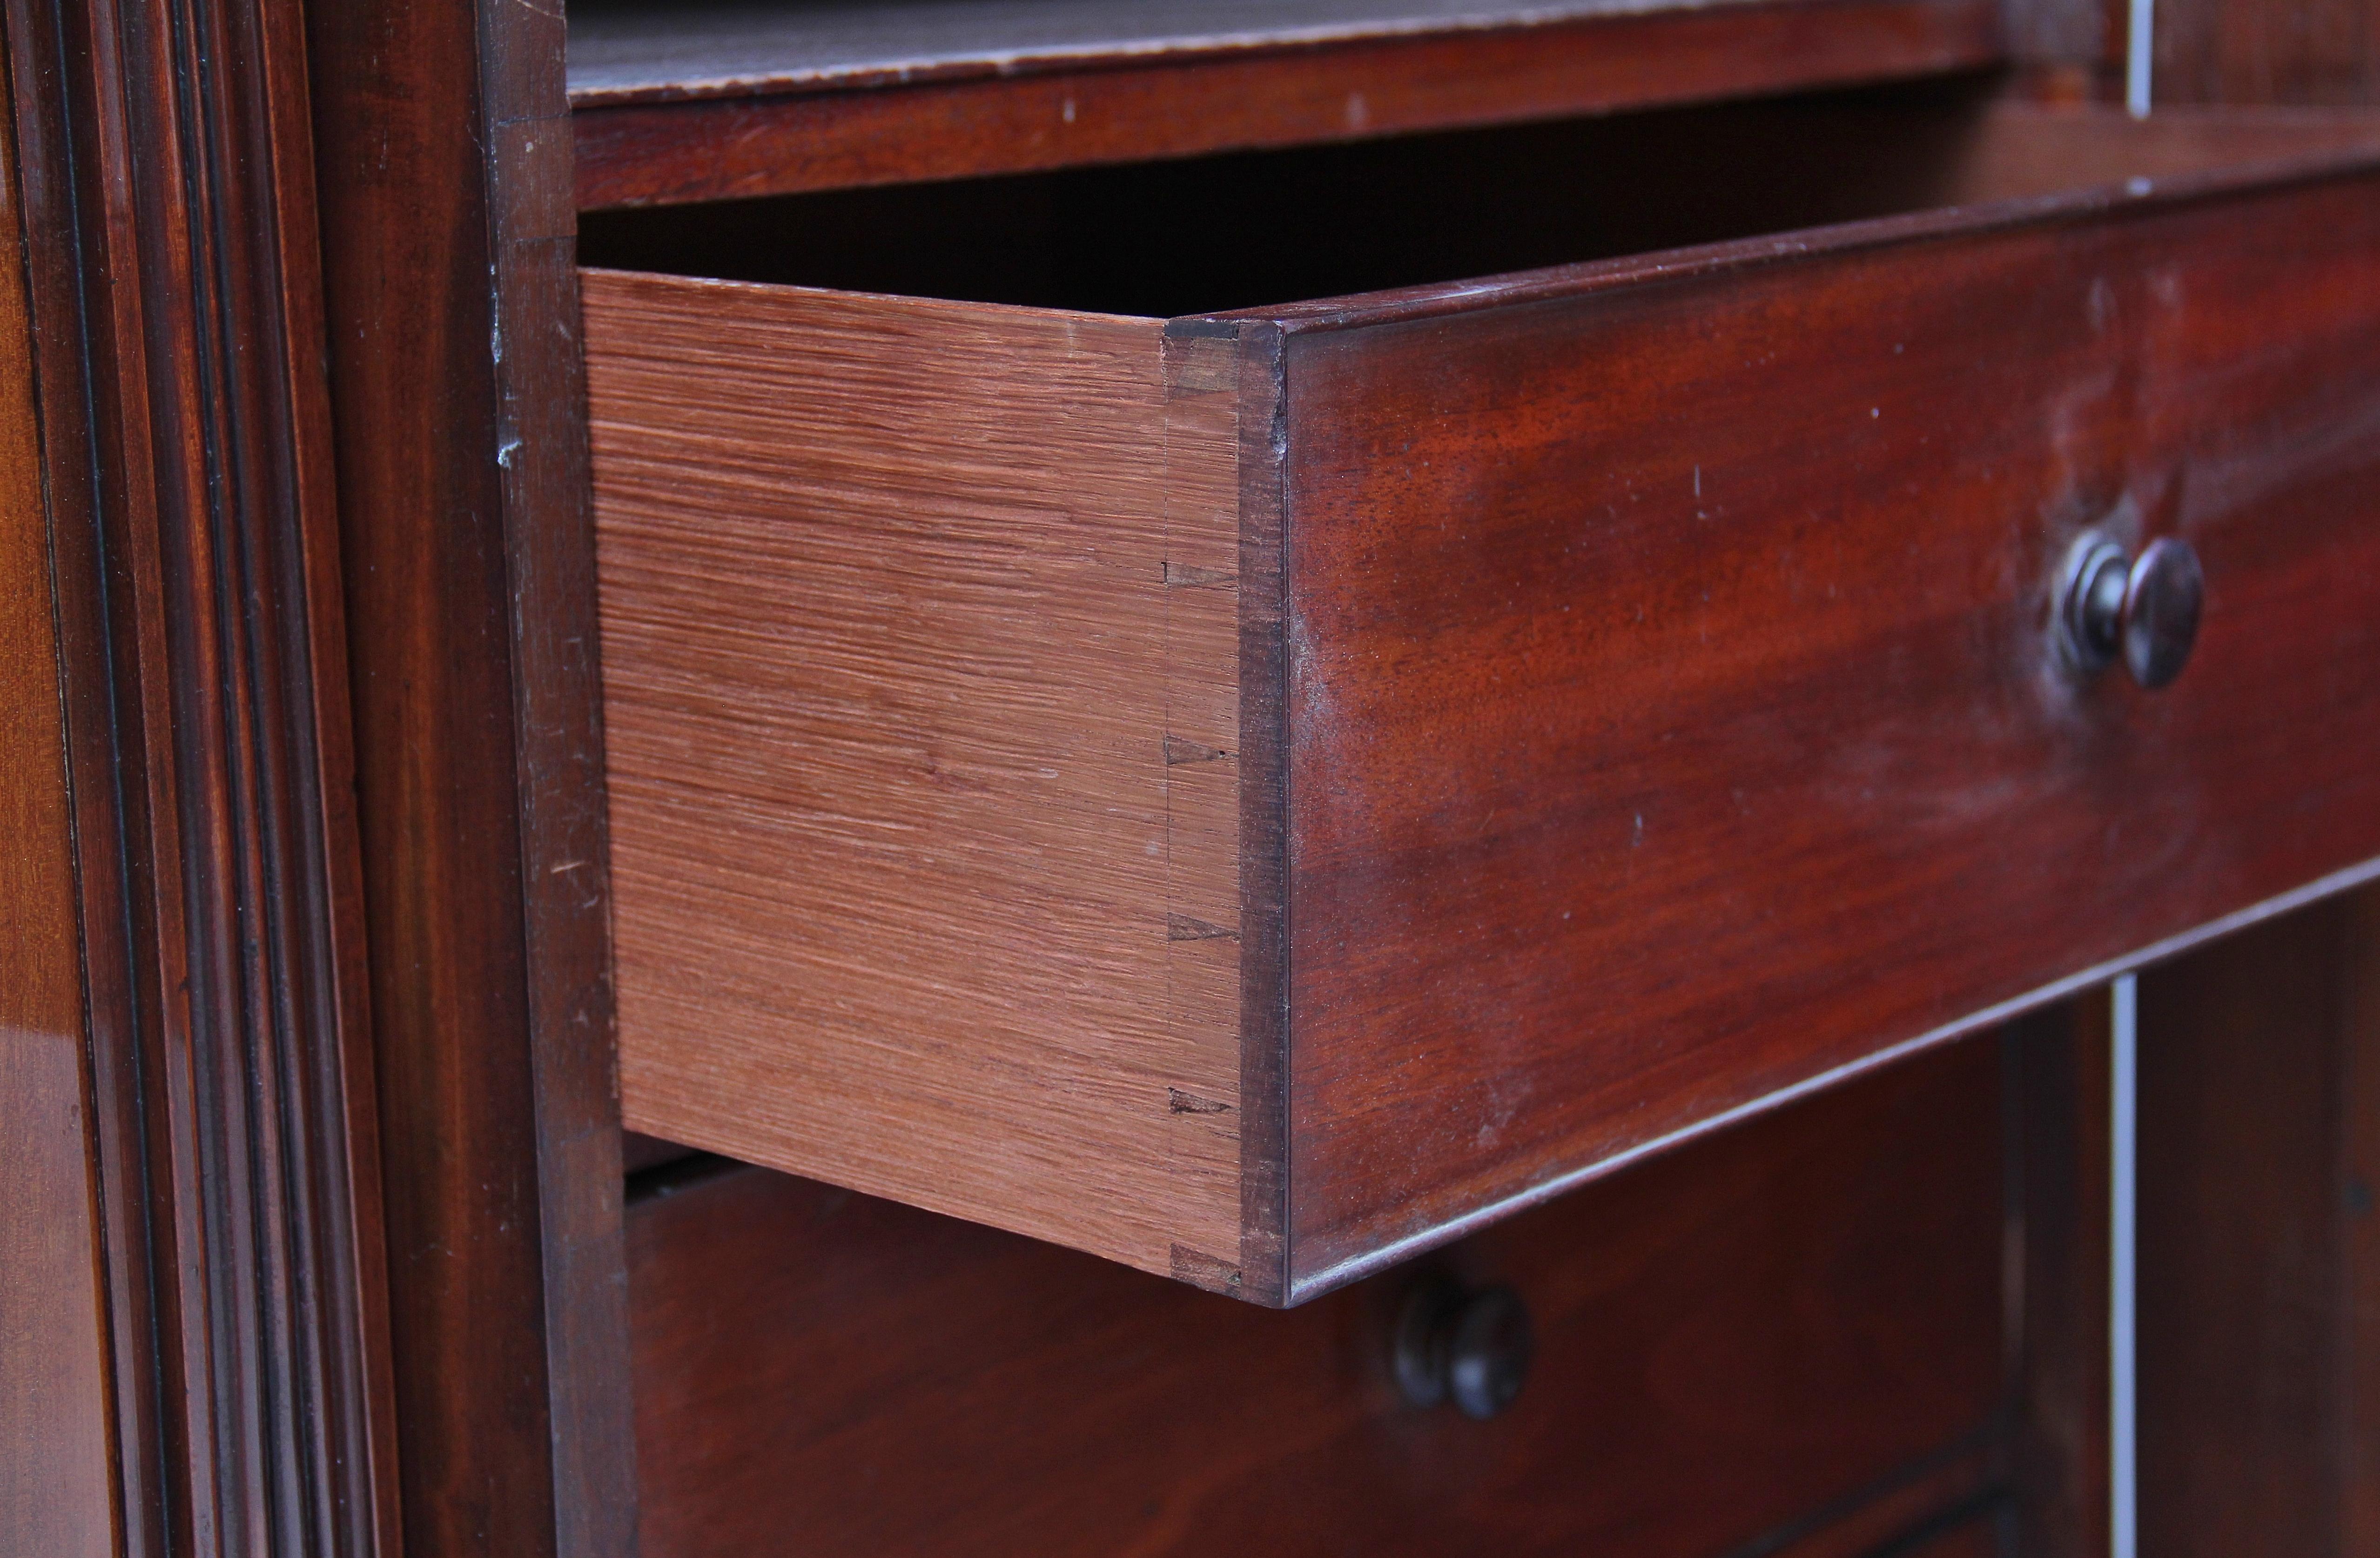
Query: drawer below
[[1791, 1332], [1255, 794]]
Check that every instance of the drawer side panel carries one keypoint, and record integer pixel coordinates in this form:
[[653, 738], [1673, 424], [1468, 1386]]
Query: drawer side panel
[[916, 888]]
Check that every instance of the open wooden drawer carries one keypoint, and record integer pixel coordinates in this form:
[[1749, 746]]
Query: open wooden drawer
[[1254, 793]]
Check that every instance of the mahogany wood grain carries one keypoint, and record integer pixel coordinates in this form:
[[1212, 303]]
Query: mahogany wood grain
[[2359, 1302], [639, 1152], [2260, 1082], [142, 1360], [2031, 152], [57, 1461], [2260, 1291], [1741, 1348], [1696, 634], [163, 167], [58, 1466], [673, 104], [1610, 762], [1976, 1536], [2061, 1083], [441, 140], [1948, 1495], [2069, 43], [2266, 52]]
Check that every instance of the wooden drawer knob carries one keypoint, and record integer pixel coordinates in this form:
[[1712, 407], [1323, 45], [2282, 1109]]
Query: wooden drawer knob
[[2144, 611], [1471, 1346]]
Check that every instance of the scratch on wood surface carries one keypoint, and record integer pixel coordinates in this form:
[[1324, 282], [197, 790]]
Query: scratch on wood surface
[[1202, 1269], [1178, 751]]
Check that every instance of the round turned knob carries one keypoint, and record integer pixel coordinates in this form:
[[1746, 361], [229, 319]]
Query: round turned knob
[[2146, 611], [1473, 1347]]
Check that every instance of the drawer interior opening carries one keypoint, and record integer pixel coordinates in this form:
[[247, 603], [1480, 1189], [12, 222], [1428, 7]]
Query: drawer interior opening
[[1245, 230]]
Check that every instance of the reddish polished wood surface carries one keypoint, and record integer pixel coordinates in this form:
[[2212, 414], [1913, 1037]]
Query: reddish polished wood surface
[[1634, 609], [639, 1152], [677, 107], [1756, 1341], [1685, 622], [1978, 1536], [1952, 1496], [926, 793], [2259, 1260], [163, 165], [442, 137], [57, 1481], [2267, 51], [58, 1466], [2260, 1083], [2060, 1078]]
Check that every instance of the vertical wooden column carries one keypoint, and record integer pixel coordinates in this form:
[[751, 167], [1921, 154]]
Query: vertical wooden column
[[2260, 1080], [56, 1483], [165, 178], [2059, 1085], [2359, 1183], [449, 234], [2260, 1260]]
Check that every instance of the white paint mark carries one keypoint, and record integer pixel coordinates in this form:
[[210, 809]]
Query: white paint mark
[[1067, 113], [2140, 57], [505, 451]]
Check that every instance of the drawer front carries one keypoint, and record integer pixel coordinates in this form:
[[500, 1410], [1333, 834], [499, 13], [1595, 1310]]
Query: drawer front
[[1674, 715], [1787, 1339], [1252, 796]]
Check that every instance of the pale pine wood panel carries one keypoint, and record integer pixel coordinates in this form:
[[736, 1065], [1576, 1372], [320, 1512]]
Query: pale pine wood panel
[[904, 882]]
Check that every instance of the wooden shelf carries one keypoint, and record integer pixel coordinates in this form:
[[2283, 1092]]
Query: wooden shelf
[[675, 103]]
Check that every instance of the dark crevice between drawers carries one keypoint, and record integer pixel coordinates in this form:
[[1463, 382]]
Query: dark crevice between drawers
[[668, 1179], [1208, 234], [1999, 1507], [639, 1151], [1936, 1494]]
